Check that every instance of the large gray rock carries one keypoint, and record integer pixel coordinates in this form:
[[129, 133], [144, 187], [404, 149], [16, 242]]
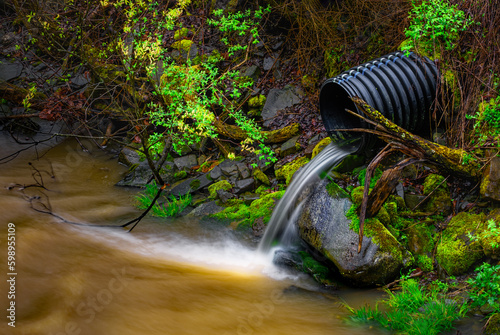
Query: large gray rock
[[10, 70], [185, 162], [191, 185], [278, 100], [206, 208], [324, 226]]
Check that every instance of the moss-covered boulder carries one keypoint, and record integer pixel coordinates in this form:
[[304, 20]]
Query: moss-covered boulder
[[320, 146], [261, 176], [241, 215], [490, 183], [329, 224], [220, 185], [286, 171], [493, 327], [459, 247], [439, 200]]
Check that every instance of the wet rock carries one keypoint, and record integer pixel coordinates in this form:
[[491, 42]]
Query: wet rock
[[252, 72], [138, 176], [224, 196], [278, 99], [243, 170], [268, 63], [287, 259], [228, 167], [490, 184], [129, 157], [206, 208], [190, 185], [185, 162], [412, 200], [249, 198], [215, 173], [79, 81], [244, 185], [324, 226], [290, 147], [10, 70]]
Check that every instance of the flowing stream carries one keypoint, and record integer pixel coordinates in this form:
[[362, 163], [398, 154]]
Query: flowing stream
[[281, 224], [169, 276]]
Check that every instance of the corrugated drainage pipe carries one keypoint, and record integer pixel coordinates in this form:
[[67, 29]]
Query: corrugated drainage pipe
[[401, 87]]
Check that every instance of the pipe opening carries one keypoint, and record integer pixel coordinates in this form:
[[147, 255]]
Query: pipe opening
[[334, 100]]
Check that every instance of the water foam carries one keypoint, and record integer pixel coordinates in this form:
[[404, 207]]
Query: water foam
[[283, 215]]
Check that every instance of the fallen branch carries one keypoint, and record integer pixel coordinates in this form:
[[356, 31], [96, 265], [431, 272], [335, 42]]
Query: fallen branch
[[270, 137], [442, 157], [417, 148]]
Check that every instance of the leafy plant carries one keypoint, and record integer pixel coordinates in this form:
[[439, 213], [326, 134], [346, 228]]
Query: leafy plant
[[486, 129], [435, 23], [485, 287], [413, 310], [491, 233], [192, 93], [165, 209], [27, 99]]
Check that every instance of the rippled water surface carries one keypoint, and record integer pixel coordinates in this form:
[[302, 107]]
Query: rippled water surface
[[166, 277]]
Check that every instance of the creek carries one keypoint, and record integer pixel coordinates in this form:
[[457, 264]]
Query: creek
[[169, 276]]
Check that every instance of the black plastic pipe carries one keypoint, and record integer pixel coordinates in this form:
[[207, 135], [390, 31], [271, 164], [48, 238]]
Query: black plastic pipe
[[402, 87]]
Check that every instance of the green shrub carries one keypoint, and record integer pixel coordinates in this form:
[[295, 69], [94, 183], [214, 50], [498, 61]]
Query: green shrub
[[413, 310], [485, 287], [165, 209], [435, 23]]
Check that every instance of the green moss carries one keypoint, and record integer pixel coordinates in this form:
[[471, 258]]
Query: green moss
[[180, 175], [376, 176], [182, 45], [309, 82], [336, 191], [194, 184], [434, 181], [262, 190], [257, 101], [493, 327], [320, 146], [220, 185], [440, 199], [380, 235], [384, 217], [315, 268], [244, 215], [286, 172], [425, 263], [261, 176], [357, 195], [181, 33], [457, 252]]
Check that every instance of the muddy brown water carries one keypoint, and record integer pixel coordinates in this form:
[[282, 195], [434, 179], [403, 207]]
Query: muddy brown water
[[177, 276]]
